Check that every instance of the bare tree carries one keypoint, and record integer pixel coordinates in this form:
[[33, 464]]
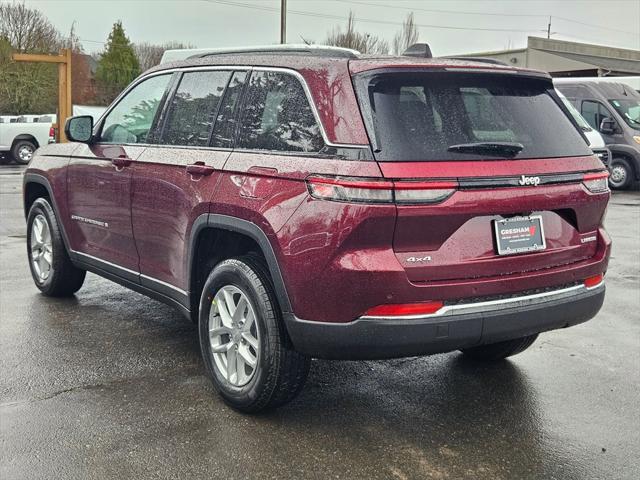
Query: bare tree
[[350, 38], [72, 42], [405, 37], [27, 87], [149, 55], [27, 29]]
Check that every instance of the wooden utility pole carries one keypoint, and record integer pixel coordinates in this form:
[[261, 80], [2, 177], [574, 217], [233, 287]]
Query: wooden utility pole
[[283, 21], [65, 109]]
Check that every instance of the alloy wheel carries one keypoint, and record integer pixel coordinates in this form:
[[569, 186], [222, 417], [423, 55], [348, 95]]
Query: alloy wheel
[[41, 247], [234, 335], [25, 153]]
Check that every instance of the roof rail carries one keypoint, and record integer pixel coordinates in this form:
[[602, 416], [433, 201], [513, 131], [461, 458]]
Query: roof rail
[[316, 50]]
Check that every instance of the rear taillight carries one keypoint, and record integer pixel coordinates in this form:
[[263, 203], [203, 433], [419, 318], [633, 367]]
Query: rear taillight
[[405, 309], [349, 189], [596, 182], [594, 281], [423, 192], [367, 190]]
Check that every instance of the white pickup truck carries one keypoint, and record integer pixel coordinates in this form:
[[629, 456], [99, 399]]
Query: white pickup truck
[[20, 136]]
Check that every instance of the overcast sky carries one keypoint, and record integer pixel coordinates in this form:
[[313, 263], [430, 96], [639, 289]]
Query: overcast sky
[[450, 27]]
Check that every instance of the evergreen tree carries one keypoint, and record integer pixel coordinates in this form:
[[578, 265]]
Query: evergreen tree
[[118, 64]]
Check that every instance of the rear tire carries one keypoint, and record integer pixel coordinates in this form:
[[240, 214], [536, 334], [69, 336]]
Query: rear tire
[[498, 351], [22, 151], [621, 174], [265, 371], [51, 269]]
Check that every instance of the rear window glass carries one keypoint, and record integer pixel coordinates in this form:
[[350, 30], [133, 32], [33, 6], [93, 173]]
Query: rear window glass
[[422, 116], [277, 115]]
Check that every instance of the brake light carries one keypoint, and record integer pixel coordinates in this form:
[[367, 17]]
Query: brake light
[[594, 281], [372, 190], [596, 182], [348, 189], [423, 192], [405, 309]]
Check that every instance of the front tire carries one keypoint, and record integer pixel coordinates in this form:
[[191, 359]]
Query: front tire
[[621, 174], [245, 346], [51, 269], [498, 351], [22, 151]]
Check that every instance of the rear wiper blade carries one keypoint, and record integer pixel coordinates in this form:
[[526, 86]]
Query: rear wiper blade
[[508, 148]]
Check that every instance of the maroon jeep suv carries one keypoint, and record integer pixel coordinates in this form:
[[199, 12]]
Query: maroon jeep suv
[[314, 202]]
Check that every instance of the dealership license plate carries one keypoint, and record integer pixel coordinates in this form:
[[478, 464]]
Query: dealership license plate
[[519, 235]]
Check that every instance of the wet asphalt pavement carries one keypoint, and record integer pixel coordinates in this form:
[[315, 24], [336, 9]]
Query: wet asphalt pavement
[[110, 384]]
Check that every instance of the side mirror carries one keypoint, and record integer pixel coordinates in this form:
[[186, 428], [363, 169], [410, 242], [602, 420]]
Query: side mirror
[[79, 129], [608, 126]]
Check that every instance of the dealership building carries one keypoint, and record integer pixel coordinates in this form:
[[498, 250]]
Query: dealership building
[[569, 59]]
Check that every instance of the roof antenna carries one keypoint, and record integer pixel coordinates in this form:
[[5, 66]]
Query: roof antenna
[[418, 50], [305, 41]]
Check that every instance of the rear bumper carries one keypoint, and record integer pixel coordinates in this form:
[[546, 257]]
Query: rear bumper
[[454, 327]]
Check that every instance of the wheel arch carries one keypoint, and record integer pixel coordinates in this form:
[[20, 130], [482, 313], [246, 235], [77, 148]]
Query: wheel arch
[[25, 136], [211, 230], [36, 186]]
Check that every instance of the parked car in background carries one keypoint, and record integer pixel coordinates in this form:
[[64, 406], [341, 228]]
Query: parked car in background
[[317, 203], [594, 139], [21, 136], [613, 109]]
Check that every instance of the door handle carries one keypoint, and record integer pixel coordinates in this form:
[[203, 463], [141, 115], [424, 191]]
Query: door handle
[[199, 168], [121, 162]]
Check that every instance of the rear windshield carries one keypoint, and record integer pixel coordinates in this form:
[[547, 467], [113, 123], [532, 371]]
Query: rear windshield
[[422, 116]]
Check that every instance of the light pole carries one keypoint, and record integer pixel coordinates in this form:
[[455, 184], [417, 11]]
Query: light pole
[[283, 21]]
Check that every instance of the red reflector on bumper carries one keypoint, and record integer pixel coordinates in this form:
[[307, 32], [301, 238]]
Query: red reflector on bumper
[[593, 281], [404, 309]]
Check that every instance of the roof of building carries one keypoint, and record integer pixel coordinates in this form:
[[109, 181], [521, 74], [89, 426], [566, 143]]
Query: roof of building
[[611, 64], [619, 60]]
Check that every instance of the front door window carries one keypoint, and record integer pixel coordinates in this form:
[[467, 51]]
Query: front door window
[[131, 119]]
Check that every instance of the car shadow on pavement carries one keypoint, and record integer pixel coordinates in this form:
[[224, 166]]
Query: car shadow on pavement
[[439, 414]]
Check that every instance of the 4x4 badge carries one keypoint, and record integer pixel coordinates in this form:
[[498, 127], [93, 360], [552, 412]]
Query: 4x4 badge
[[419, 259], [524, 180]]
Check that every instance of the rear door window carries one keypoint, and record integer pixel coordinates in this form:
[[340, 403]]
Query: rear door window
[[277, 115], [194, 108], [226, 123], [423, 116]]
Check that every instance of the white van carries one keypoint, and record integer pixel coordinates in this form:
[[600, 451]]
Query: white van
[[596, 142]]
